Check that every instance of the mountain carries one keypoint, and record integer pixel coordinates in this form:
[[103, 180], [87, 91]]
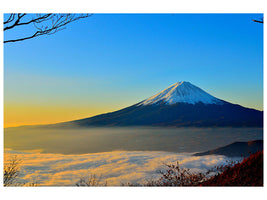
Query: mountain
[[182, 92], [181, 105], [236, 149]]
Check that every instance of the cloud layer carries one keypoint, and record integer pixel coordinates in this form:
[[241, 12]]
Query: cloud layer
[[116, 167]]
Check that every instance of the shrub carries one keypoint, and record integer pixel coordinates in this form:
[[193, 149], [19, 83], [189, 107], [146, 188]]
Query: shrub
[[93, 180], [11, 173], [177, 176], [247, 173], [174, 175]]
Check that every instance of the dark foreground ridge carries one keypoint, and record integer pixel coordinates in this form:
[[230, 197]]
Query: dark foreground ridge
[[247, 173], [236, 149]]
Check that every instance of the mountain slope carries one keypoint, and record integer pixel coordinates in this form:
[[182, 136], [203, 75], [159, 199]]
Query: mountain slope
[[182, 104], [236, 149], [247, 173]]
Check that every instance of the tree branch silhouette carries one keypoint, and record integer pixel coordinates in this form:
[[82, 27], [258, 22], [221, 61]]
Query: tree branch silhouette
[[258, 21], [44, 24]]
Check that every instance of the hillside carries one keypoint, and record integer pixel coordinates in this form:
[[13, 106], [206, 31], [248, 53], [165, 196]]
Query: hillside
[[247, 173], [236, 149]]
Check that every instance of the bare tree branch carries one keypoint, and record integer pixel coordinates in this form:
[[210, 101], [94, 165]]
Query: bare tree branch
[[11, 171], [45, 24], [10, 18], [34, 20], [25, 38], [258, 21]]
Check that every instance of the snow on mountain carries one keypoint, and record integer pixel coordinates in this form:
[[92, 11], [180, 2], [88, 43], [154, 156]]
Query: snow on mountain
[[211, 112], [182, 92]]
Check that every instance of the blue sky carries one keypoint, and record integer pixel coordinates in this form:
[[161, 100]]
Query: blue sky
[[110, 61]]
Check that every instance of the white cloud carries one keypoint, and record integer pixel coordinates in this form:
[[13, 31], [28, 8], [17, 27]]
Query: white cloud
[[116, 167]]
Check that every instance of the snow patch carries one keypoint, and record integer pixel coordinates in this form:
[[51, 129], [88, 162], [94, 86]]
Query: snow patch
[[182, 92]]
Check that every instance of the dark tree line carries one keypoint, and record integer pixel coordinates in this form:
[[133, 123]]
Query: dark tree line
[[43, 24]]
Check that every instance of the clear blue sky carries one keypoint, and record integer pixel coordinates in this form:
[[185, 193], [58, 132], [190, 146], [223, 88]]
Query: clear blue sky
[[110, 61]]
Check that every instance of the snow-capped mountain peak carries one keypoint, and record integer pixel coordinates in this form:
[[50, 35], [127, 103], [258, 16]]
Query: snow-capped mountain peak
[[182, 92]]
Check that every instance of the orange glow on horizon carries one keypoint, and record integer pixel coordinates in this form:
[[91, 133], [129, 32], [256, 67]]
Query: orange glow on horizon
[[20, 115]]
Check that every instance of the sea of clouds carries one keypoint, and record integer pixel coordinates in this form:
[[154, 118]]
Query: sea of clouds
[[115, 167]]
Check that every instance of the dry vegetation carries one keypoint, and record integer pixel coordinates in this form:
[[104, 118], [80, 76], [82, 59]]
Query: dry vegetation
[[247, 173], [92, 180], [11, 173]]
